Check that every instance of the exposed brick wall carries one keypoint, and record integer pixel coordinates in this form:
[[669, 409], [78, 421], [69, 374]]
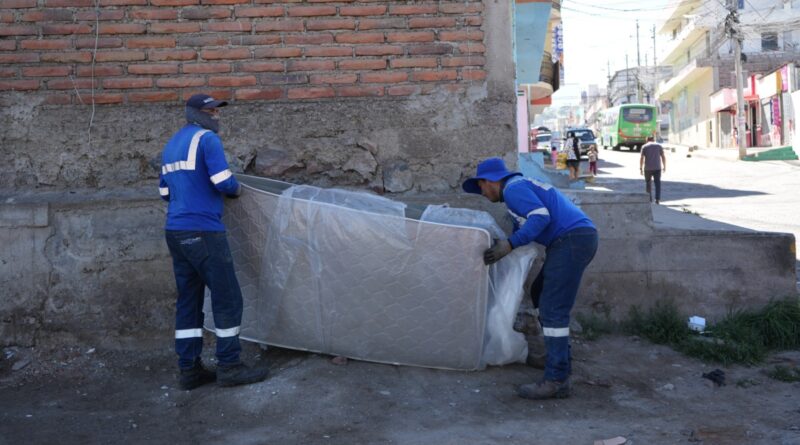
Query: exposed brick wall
[[126, 51]]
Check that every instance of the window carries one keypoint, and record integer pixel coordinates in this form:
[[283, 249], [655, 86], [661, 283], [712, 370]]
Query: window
[[769, 41], [637, 115]]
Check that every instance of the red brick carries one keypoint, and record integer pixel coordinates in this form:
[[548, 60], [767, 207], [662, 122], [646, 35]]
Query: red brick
[[310, 93], [310, 65], [278, 1], [18, 30], [224, 2], [412, 9], [331, 1], [378, 50], [453, 87], [328, 51], [114, 14], [419, 62], [205, 13], [100, 71], [418, 36], [153, 14], [282, 79], [460, 8], [360, 37], [431, 22], [450, 36], [280, 25], [263, 53], [473, 74], [433, 76], [57, 99], [357, 91], [153, 69], [334, 78], [419, 50], [78, 28], [128, 83], [463, 61], [174, 2], [203, 41], [67, 56], [232, 53], [473, 21], [123, 2], [7, 72], [471, 48], [255, 40], [180, 82], [70, 84], [402, 90], [174, 28], [6, 17], [107, 98], [311, 11], [49, 15], [386, 77], [215, 93], [368, 24], [45, 44], [104, 42], [17, 57], [68, 3], [8, 45], [259, 11], [46, 71], [14, 4], [361, 10], [153, 96], [119, 56], [322, 25], [259, 94], [155, 55], [151, 42], [257, 67], [237, 26], [206, 68], [308, 39], [362, 64], [19, 85], [232, 81]]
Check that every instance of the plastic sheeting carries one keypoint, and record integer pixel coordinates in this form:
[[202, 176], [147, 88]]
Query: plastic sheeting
[[346, 273]]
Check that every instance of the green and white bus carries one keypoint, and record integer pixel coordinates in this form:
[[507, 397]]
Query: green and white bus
[[628, 126]]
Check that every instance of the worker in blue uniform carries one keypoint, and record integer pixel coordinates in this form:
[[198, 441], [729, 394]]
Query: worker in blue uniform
[[194, 179], [542, 214]]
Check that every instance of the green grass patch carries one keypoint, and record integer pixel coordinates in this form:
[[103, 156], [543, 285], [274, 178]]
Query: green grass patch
[[785, 374], [593, 326], [744, 337]]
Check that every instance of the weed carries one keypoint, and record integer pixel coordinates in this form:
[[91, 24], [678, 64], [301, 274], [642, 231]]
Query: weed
[[593, 326], [785, 374], [686, 210]]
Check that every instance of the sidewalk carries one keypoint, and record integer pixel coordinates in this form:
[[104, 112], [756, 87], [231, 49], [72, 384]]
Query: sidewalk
[[722, 154]]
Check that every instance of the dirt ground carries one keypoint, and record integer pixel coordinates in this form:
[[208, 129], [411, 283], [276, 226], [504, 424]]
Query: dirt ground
[[622, 386]]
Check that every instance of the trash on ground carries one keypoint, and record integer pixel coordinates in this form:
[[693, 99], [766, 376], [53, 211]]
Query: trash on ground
[[717, 376], [697, 323]]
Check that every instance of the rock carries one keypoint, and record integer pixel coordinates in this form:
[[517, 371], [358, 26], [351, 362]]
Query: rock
[[21, 363], [368, 145], [363, 163], [339, 360], [667, 387], [274, 162], [397, 177]]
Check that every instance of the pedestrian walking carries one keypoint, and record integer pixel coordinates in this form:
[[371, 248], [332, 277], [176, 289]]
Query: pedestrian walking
[[542, 214], [652, 163], [573, 155], [194, 179], [593, 160]]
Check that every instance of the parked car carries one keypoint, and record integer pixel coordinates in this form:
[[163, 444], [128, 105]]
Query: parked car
[[587, 138], [543, 141]]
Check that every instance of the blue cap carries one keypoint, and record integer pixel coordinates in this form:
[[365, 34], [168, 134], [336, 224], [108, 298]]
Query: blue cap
[[201, 101], [492, 169]]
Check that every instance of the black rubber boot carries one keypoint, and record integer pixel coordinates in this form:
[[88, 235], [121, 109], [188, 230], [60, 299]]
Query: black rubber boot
[[240, 374], [196, 376]]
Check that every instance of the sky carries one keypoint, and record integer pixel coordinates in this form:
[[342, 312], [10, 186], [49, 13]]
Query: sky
[[599, 33]]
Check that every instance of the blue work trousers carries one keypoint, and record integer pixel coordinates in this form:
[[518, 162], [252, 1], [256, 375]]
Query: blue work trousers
[[554, 292], [200, 260]]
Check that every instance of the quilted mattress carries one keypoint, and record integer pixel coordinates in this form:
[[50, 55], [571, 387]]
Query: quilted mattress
[[350, 274]]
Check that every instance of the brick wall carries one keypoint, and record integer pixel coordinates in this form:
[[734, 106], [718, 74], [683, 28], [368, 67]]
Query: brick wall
[[128, 51]]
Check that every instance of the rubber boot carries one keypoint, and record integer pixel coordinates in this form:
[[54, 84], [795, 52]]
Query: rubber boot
[[240, 374], [196, 376]]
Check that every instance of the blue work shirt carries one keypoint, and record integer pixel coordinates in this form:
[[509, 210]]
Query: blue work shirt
[[540, 212], [194, 177]]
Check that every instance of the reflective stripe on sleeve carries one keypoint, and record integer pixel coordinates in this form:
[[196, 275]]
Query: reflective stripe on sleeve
[[539, 211], [555, 332], [188, 333], [164, 191], [230, 332], [191, 158], [221, 176]]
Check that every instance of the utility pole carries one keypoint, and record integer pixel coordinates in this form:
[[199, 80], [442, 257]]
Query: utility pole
[[732, 27], [656, 73], [638, 66], [627, 79]]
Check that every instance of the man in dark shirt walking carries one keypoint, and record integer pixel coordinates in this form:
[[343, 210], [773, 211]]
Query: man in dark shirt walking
[[651, 164]]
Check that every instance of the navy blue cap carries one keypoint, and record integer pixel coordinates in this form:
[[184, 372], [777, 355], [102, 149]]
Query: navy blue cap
[[202, 101], [492, 169]]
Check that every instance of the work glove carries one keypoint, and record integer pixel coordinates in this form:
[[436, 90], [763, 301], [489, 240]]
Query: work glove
[[236, 194], [497, 251]]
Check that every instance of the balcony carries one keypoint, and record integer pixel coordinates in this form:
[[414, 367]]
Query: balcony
[[692, 30]]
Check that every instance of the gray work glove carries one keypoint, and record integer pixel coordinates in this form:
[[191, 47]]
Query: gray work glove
[[494, 253]]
